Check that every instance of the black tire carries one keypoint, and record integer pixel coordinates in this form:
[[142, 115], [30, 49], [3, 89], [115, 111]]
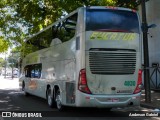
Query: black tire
[[50, 99], [23, 89], [58, 101]]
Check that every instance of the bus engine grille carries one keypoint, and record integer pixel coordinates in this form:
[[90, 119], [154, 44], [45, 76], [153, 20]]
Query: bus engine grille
[[112, 62]]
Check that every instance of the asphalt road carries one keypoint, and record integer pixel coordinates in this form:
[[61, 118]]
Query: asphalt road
[[13, 100]]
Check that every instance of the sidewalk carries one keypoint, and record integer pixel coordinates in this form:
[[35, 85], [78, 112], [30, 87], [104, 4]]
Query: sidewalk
[[155, 100], [9, 83]]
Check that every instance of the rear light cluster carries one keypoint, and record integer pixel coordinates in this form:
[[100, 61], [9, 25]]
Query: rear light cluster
[[139, 82], [82, 83], [134, 10]]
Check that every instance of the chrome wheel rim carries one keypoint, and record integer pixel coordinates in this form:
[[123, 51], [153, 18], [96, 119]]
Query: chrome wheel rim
[[58, 101], [49, 98]]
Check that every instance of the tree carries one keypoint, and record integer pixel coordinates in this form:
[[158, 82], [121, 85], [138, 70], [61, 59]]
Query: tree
[[22, 18], [2, 64], [3, 45], [13, 58], [33, 15]]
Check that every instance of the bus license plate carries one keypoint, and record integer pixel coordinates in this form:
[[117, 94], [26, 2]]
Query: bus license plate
[[113, 100]]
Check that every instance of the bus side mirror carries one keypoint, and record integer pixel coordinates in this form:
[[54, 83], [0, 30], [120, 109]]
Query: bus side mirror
[[152, 26], [144, 28]]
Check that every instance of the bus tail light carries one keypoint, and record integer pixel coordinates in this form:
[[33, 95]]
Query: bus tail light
[[139, 82], [82, 83], [134, 10]]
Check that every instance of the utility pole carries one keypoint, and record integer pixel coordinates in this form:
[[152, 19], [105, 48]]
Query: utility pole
[[145, 53], [5, 70], [12, 65]]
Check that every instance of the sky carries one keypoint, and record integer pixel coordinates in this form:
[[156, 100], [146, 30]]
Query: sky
[[3, 54]]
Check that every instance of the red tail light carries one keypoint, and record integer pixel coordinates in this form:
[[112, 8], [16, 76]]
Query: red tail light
[[139, 82], [82, 83], [134, 10]]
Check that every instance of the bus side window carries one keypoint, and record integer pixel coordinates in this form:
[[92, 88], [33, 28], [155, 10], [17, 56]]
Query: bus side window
[[38, 68], [32, 71], [55, 31], [65, 30], [27, 71]]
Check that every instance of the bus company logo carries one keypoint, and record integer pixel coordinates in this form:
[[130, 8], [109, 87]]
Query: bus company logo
[[112, 36], [6, 114]]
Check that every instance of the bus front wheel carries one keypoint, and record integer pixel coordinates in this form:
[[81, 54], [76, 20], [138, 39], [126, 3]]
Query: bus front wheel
[[23, 89]]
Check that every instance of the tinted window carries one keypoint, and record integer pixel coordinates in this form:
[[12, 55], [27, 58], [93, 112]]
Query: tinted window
[[27, 71], [65, 30], [33, 71], [37, 70], [41, 40], [111, 20]]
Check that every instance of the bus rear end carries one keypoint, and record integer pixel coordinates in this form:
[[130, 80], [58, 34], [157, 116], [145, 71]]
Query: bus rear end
[[112, 76]]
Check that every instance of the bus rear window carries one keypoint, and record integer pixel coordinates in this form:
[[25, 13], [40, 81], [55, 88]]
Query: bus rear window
[[111, 20]]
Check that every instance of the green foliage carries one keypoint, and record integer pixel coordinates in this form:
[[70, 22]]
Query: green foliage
[[2, 62], [12, 62], [3, 45], [23, 18], [127, 3], [37, 14], [14, 58]]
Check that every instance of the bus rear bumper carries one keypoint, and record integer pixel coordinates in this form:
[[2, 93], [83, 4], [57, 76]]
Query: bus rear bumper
[[107, 101]]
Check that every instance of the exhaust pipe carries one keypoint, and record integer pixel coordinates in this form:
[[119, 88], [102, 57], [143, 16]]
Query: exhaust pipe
[[131, 103]]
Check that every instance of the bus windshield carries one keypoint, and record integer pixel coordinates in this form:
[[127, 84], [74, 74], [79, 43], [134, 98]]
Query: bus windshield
[[111, 20]]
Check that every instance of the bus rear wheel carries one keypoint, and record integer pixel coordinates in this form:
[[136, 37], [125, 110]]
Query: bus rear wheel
[[58, 100], [50, 100]]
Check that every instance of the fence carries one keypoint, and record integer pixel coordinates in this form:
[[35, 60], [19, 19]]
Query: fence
[[154, 76]]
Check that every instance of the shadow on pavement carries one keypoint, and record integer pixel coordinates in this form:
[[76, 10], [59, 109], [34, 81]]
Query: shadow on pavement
[[155, 100], [6, 100]]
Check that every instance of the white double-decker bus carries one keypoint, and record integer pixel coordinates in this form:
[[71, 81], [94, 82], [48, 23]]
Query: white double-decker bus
[[90, 58]]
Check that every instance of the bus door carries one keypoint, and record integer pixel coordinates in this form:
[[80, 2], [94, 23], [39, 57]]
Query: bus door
[[27, 80], [34, 84], [30, 81]]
